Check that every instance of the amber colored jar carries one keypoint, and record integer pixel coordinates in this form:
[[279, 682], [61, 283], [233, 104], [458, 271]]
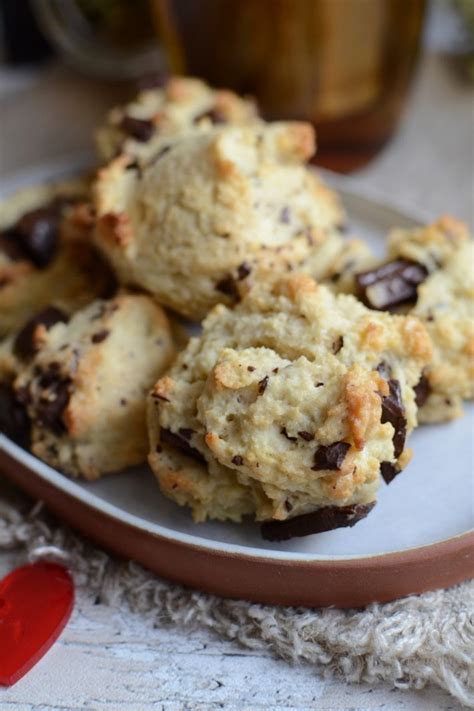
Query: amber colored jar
[[344, 65]]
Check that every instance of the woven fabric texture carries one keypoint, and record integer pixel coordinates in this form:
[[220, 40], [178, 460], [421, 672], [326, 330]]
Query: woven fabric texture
[[408, 643]]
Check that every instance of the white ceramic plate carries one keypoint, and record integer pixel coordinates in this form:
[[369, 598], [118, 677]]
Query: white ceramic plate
[[430, 502]]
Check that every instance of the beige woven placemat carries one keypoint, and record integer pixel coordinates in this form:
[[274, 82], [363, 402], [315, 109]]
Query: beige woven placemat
[[408, 643]]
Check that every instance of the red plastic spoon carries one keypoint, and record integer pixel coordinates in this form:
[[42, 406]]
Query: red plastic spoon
[[36, 601]]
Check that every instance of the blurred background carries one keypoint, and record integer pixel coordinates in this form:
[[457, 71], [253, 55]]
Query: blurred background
[[387, 83]]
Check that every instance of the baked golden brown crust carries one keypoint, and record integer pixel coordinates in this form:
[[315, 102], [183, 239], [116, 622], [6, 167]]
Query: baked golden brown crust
[[59, 264], [158, 116], [85, 389], [248, 201], [286, 404]]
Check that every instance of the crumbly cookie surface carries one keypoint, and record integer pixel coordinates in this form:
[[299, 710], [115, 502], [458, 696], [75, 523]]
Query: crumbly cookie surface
[[248, 200], [286, 404], [443, 297], [46, 253], [158, 116], [85, 389]]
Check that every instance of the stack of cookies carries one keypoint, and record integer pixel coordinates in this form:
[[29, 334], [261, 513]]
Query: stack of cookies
[[315, 360]]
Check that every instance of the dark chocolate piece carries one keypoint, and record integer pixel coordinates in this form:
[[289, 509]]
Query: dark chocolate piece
[[24, 345], [174, 440], [36, 234], [250, 368], [325, 519], [139, 129], [384, 370], [307, 436], [330, 457], [422, 391], [100, 336], [262, 385], [393, 411], [214, 115], [243, 270], [389, 471], [186, 432], [50, 406], [284, 432], [337, 345], [162, 152], [391, 284], [229, 287], [14, 420], [156, 396], [237, 460], [10, 246], [285, 216]]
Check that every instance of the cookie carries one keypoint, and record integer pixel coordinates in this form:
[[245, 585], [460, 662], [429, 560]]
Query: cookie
[[337, 260], [46, 254], [286, 406], [191, 227], [431, 275], [85, 389], [160, 115]]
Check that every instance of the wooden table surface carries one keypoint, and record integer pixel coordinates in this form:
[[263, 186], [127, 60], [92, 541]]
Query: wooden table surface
[[106, 660]]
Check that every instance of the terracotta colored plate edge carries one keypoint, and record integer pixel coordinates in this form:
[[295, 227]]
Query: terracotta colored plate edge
[[338, 583]]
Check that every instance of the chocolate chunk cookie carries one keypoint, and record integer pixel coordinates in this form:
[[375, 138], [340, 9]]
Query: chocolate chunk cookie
[[281, 422], [85, 389], [431, 276], [194, 227], [46, 254], [180, 106]]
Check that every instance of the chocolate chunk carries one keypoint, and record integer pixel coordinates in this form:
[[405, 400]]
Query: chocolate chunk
[[389, 471], [99, 336], [156, 396], [51, 405], [243, 270], [284, 432], [10, 246], [24, 345], [384, 370], [330, 457], [36, 235], [393, 411], [14, 420], [306, 435], [139, 129], [337, 345], [177, 442], [215, 116], [186, 432], [237, 460], [422, 391], [250, 368], [391, 284], [285, 216], [229, 287], [163, 151], [262, 385], [325, 519]]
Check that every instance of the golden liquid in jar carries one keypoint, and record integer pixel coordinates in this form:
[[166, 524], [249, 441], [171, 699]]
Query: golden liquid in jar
[[344, 65]]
